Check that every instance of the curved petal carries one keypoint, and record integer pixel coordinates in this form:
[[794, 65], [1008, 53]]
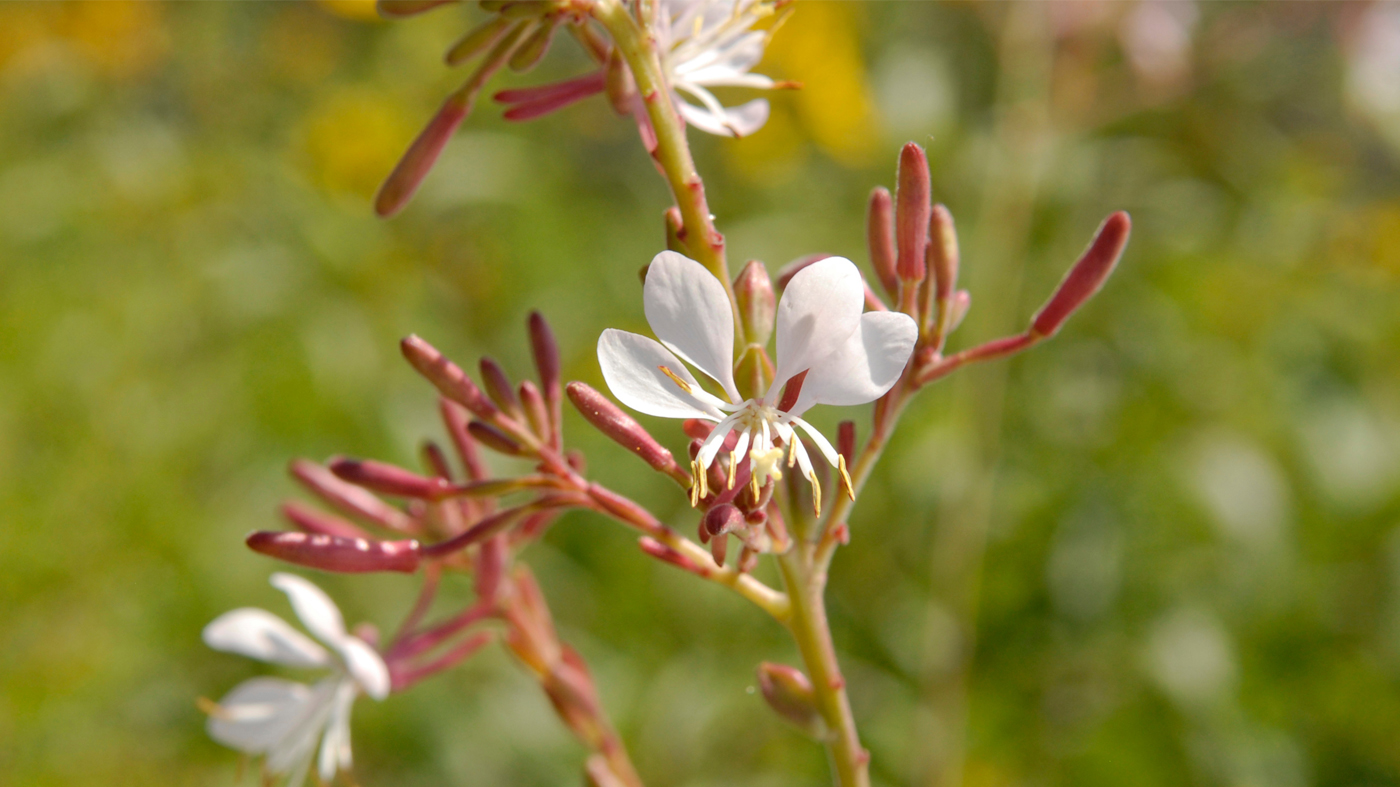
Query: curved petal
[[734, 57], [689, 311], [259, 634], [864, 366], [317, 612], [740, 121], [631, 366], [366, 667], [817, 314], [292, 754], [258, 713], [335, 745]]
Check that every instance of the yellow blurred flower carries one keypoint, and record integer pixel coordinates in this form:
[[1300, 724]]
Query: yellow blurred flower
[[121, 38], [353, 138], [359, 10]]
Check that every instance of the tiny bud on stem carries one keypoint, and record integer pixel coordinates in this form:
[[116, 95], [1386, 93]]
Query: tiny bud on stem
[[1087, 276], [494, 438], [789, 692], [347, 498], [498, 386], [879, 237], [388, 479], [446, 376], [610, 419], [341, 555], [754, 293]]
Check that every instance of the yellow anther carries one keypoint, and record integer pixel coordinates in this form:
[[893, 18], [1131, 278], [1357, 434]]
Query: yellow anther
[[846, 484], [733, 466], [816, 493], [211, 708], [694, 483], [685, 386], [792, 452]]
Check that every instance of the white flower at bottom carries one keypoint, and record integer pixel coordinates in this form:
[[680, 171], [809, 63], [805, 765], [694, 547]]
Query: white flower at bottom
[[283, 719], [826, 346]]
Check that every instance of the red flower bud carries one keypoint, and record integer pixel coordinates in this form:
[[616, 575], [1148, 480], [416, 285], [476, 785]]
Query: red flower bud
[[340, 555], [912, 211], [723, 519], [348, 498], [498, 386], [494, 438], [609, 419], [309, 520], [1087, 275], [446, 376], [388, 479], [789, 692], [418, 160], [879, 237], [754, 293]]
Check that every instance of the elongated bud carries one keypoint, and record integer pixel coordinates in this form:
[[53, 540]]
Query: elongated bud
[[347, 498], [622, 91], [597, 773], [912, 200], [753, 371], [696, 429], [723, 519], [609, 419], [399, 9], [498, 386], [546, 352], [388, 479], [418, 160], [446, 376], [942, 252], [455, 421], [341, 555], [790, 693], [493, 438], [879, 237], [846, 440], [536, 413], [591, 40], [962, 301], [754, 292], [309, 520], [675, 234], [533, 50], [435, 459], [480, 39], [1087, 275], [524, 9], [490, 567]]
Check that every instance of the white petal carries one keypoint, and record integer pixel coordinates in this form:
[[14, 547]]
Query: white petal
[[258, 714], [863, 367], [631, 366], [335, 745], [317, 612], [734, 57], [739, 121], [817, 314], [261, 635], [294, 751], [689, 311], [366, 667]]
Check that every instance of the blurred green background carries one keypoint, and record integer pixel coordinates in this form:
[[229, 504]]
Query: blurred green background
[[1163, 549]]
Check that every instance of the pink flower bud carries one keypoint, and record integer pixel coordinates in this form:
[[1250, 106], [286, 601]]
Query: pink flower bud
[[546, 352], [754, 293], [498, 386], [879, 237], [340, 555], [478, 40], [455, 421], [408, 175], [490, 567], [942, 251], [309, 520], [446, 376], [348, 498], [532, 102], [912, 211], [434, 457], [609, 419], [723, 519], [789, 692], [494, 438], [846, 440], [534, 48], [1087, 275], [536, 413], [389, 480]]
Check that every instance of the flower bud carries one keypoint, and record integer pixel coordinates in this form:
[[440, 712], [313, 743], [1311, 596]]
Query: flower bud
[[477, 41], [546, 353], [347, 498], [536, 413], [1087, 275], [490, 567], [533, 50], [609, 419], [408, 174], [309, 520], [790, 693], [341, 555], [962, 301], [455, 421], [753, 372], [675, 235], [754, 293], [493, 438], [791, 269], [446, 376], [912, 212], [723, 519], [622, 90], [434, 458], [879, 237], [388, 479], [498, 386], [942, 251]]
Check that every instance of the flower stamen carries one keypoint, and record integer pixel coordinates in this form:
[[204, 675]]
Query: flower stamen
[[846, 485], [684, 386]]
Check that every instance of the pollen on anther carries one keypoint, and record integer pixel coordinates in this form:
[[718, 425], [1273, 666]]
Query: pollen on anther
[[684, 386]]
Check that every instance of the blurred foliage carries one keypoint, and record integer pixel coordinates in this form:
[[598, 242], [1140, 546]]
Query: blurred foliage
[[1171, 533]]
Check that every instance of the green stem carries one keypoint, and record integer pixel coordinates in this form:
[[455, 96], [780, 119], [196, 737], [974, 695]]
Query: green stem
[[806, 585], [672, 153]]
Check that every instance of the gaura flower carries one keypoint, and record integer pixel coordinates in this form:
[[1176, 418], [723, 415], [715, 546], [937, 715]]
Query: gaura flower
[[283, 719], [828, 352], [709, 43]]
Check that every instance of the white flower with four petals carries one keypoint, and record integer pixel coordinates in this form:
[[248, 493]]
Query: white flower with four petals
[[710, 44], [826, 345], [283, 719]]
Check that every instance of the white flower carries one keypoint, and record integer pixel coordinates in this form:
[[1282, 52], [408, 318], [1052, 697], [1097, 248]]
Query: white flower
[[283, 719], [826, 346], [709, 44]]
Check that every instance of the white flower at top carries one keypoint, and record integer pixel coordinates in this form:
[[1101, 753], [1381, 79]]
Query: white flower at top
[[709, 43], [283, 719], [826, 347]]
